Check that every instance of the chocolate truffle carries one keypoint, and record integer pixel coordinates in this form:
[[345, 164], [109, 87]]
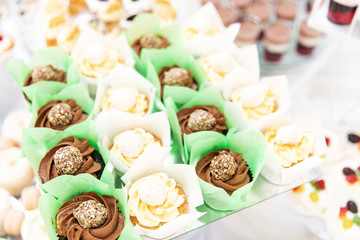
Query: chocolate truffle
[[60, 115], [201, 120], [91, 214], [149, 41], [45, 73], [223, 166], [68, 160]]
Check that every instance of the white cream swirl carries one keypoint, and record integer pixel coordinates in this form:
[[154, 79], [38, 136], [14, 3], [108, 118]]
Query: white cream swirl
[[130, 144], [218, 65], [125, 99], [97, 61], [256, 100], [290, 143], [191, 31], [164, 10], [156, 188]]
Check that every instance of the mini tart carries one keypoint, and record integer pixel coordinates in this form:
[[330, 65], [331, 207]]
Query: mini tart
[[93, 162], [290, 154], [125, 99], [68, 227], [129, 145], [185, 114], [240, 177], [191, 83], [256, 100], [155, 200], [43, 119], [137, 45]]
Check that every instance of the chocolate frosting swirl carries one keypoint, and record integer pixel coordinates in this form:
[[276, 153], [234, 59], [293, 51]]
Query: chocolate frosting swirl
[[192, 84], [47, 170], [240, 179], [184, 114], [60, 76], [67, 226], [43, 121], [136, 46]]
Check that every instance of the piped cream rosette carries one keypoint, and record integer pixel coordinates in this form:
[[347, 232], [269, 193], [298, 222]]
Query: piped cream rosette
[[125, 90], [219, 64], [96, 59], [293, 148], [129, 137], [256, 103], [154, 195], [204, 31]]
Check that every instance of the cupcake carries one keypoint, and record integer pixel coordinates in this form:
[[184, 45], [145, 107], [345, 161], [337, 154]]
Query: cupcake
[[149, 41], [155, 200], [128, 137], [225, 169], [15, 171], [202, 118], [90, 215], [60, 114], [71, 156], [342, 11], [45, 73], [164, 10], [277, 37], [125, 90], [68, 36], [111, 12], [308, 39], [286, 11]]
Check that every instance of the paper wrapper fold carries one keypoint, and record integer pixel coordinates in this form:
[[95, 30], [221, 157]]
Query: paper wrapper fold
[[274, 172], [38, 141], [174, 56], [88, 37], [210, 32], [183, 175], [75, 91], [278, 85], [187, 99], [110, 124], [148, 23], [67, 187], [123, 76], [250, 143], [53, 56]]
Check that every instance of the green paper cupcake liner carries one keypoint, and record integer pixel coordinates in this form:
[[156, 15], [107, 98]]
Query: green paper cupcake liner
[[174, 56], [250, 143], [75, 91], [67, 187], [38, 141], [53, 56], [187, 99], [148, 23]]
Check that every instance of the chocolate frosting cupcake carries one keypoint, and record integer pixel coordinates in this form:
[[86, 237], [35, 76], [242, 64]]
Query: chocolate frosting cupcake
[[72, 215], [176, 76], [149, 41], [45, 73], [202, 118], [225, 169], [90, 160], [60, 115]]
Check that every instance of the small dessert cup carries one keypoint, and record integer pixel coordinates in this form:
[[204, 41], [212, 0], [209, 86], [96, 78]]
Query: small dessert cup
[[342, 11], [277, 37], [286, 11], [250, 31], [308, 39], [261, 10]]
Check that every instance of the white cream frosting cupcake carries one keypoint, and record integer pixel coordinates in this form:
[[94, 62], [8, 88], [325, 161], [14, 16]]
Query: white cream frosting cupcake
[[218, 65], [67, 37], [4, 207], [15, 171], [155, 200], [125, 99], [111, 12], [129, 145], [97, 61], [6, 44], [256, 100], [14, 123], [33, 226], [164, 10], [290, 143]]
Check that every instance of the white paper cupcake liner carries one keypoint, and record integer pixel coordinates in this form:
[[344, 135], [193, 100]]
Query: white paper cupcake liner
[[123, 76], [184, 175]]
